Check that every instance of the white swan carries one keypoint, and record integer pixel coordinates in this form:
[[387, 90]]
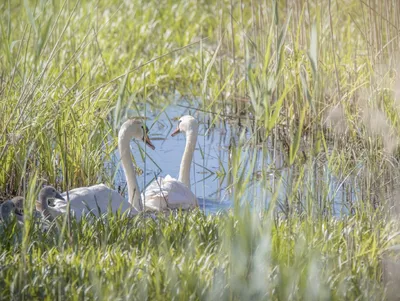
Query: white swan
[[169, 193], [90, 199]]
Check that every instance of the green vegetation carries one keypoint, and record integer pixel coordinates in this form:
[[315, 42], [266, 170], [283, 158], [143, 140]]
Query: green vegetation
[[315, 86], [193, 256]]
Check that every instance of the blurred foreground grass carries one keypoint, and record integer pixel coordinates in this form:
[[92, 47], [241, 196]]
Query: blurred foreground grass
[[192, 257]]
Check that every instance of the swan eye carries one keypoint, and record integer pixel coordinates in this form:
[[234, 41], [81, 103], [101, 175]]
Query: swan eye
[[145, 128], [145, 132]]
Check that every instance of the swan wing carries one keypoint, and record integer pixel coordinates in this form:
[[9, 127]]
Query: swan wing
[[92, 199], [154, 197], [168, 193], [179, 195]]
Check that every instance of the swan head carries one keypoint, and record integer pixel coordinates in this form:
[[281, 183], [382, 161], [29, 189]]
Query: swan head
[[49, 193], [135, 128], [186, 124]]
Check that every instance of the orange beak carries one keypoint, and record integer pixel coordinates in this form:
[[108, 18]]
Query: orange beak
[[146, 138], [176, 132], [148, 142]]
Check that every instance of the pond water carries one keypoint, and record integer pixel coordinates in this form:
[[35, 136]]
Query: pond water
[[211, 153], [209, 177]]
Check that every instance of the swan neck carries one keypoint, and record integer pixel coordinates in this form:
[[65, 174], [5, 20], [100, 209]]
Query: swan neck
[[184, 171], [129, 170], [43, 207]]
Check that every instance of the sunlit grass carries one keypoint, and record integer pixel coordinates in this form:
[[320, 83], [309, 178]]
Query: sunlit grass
[[201, 257]]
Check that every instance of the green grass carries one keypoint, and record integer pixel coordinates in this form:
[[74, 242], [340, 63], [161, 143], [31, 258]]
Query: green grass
[[193, 256], [315, 86]]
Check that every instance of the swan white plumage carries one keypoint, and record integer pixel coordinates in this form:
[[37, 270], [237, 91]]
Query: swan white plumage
[[169, 193], [89, 199]]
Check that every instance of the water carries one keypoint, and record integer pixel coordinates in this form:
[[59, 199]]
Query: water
[[210, 155], [209, 180]]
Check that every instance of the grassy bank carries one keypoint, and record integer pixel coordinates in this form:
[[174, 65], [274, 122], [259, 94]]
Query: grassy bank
[[193, 257], [315, 85]]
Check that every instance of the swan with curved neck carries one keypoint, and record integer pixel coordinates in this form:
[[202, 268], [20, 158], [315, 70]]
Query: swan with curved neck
[[188, 125], [90, 199], [46, 194], [169, 193]]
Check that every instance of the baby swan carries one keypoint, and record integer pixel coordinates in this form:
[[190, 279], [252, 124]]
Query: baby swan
[[6, 211], [46, 194], [19, 208], [19, 204]]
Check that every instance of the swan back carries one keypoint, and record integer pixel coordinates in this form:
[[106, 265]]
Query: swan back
[[168, 193], [92, 199]]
